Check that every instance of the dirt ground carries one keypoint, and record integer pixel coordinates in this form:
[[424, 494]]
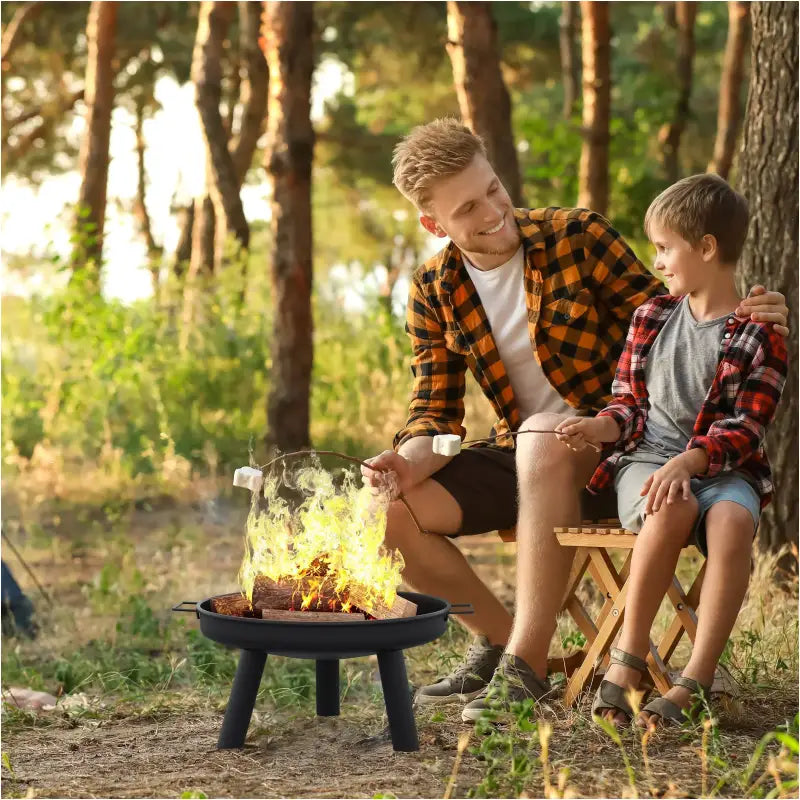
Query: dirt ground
[[171, 753], [163, 757]]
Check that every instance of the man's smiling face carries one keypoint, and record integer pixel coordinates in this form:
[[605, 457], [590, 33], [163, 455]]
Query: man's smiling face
[[474, 210]]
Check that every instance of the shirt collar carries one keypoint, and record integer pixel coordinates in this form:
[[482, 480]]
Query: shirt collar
[[452, 260]]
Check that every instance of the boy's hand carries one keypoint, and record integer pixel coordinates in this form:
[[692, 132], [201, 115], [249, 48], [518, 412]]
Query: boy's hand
[[763, 306], [391, 475], [667, 485], [579, 432]]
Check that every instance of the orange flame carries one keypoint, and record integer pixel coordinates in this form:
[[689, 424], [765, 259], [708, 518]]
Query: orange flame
[[332, 545]]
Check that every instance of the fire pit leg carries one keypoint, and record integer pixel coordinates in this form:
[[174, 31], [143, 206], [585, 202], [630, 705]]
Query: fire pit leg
[[397, 697], [242, 699], [328, 687]]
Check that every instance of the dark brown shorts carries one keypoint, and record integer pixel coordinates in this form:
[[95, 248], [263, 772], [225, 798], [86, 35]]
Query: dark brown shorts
[[483, 481]]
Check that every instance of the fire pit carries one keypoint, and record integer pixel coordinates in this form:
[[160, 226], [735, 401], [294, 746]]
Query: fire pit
[[327, 643]]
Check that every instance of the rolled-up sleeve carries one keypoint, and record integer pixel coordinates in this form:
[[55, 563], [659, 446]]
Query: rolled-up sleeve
[[624, 408], [437, 398]]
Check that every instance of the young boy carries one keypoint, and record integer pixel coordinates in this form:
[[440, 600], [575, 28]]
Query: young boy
[[694, 392]]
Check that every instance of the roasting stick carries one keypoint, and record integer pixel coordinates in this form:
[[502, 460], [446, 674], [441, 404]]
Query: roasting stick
[[449, 444], [352, 459], [443, 444]]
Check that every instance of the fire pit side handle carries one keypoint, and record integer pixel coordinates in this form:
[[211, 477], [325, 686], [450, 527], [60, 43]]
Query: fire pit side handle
[[191, 603], [462, 608]]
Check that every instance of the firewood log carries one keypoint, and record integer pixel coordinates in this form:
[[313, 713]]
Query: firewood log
[[311, 616], [378, 609], [289, 596], [234, 605]]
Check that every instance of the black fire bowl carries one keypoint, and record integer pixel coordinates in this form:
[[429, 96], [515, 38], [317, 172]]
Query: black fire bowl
[[326, 643]]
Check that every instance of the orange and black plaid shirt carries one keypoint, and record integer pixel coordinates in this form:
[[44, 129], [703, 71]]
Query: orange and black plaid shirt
[[582, 284]]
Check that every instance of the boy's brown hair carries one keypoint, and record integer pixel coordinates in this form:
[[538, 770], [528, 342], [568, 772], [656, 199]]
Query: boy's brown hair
[[439, 149], [700, 205]]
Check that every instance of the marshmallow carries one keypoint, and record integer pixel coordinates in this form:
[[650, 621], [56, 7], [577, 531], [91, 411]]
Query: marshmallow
[[248, 478], [447, 444]]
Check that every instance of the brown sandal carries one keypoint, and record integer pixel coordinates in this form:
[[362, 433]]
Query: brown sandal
[[670, 713], [610, 696]]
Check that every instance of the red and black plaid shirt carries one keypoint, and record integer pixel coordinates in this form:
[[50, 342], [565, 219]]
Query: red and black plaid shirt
[[740, 404]]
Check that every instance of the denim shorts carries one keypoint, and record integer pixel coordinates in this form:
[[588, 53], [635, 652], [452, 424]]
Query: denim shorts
[[731, 487]]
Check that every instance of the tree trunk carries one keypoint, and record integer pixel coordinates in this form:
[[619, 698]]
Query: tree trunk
[[203, 233], [769, 175], [100, 32], [206, 73], [252, 89], [668, 9], [288, 29], [154, 251], [596, 56], [670, 135], [183, 252], [482, 95], [729, 115], [569, 63]]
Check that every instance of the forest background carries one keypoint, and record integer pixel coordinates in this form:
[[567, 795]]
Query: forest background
[[172, 347]]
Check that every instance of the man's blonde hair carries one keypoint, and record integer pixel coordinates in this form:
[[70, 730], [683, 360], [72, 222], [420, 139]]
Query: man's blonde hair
[[699, 205], [439, 149]]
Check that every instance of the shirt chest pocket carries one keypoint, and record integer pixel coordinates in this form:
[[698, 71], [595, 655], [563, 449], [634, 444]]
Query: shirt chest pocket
[[566, 310], [569, 325]]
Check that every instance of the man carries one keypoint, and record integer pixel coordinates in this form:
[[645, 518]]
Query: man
[[537, 304]]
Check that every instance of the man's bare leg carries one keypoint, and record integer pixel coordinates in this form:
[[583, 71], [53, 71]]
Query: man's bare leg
[[436, 566], [551, 477]]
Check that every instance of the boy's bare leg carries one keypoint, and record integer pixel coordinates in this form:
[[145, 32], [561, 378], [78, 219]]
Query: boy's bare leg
[[436, 566], [729, 537], [550, 477], [655, 554]]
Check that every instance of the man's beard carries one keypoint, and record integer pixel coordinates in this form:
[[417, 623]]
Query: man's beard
[[496, 251], [509, 247]]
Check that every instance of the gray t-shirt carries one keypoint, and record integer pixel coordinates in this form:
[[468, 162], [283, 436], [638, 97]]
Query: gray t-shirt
[[680, 370]]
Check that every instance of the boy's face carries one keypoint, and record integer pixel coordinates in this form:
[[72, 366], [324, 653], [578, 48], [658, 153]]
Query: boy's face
[[684, 267], [474, 210]]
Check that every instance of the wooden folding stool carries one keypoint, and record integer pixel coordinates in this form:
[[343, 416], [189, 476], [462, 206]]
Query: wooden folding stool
[[592, 542]]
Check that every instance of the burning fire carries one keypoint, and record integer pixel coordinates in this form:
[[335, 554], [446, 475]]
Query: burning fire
[[332, 545]]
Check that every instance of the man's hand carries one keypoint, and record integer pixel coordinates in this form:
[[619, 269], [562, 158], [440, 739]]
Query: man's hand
[[672, 482], [390, 476], [578, 432], [763, 306]]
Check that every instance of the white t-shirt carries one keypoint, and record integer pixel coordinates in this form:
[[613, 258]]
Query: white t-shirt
[[502, 293]]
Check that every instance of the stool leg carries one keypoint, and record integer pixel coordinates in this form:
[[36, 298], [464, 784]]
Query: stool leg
[[328, 687], [242, 699], [397, 697]]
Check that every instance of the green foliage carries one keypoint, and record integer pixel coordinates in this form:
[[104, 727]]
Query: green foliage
[[507, 752], [94, 377], [7, 764], [209, 660]]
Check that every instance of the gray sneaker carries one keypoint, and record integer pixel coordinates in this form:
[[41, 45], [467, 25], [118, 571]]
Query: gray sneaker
[[513, 682], [467, 679]]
